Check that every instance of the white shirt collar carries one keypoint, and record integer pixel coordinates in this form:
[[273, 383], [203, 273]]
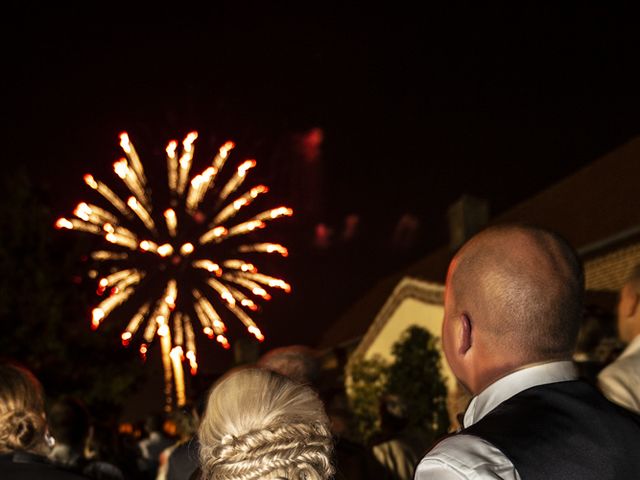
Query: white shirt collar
[[632, 348], [514, 383]]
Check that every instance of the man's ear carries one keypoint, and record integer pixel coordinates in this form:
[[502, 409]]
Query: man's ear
[[465, 333]]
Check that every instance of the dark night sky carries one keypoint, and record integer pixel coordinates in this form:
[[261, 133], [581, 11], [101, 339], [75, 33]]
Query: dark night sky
[[417, 106]]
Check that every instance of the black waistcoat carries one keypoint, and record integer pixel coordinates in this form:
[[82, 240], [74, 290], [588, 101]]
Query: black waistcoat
[[564, 431]]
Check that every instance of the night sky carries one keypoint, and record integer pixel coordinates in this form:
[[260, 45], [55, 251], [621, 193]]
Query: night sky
[[377, 117]]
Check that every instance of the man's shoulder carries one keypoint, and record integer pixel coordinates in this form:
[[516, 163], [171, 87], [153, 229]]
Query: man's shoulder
[[627, 366], [465, 456], [623, 373], [620, 382], [24, 470]]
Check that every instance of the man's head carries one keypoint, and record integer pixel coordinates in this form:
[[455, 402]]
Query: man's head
[[629, 307], [154, 423], [514, 296], [297, 362], [70, 423]]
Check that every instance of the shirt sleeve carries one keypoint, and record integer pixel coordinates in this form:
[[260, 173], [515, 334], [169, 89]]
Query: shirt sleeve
[[465, 457]]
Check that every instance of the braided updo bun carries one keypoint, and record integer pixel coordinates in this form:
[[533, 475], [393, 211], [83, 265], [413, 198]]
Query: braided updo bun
[[261, 425], [22, 418]]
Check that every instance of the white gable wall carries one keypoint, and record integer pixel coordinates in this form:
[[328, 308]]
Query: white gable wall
[[410, 311]]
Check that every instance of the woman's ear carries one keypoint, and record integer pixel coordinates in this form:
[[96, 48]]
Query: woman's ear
[[466, 332]]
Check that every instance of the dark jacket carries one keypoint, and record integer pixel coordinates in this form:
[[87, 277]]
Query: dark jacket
[[28, 466], [184, 460]]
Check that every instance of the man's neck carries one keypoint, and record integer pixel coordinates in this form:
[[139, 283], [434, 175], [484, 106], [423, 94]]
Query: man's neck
[[516, 381], [491, 375]]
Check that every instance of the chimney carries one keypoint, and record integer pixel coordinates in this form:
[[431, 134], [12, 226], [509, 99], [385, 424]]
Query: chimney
[[467, 216]]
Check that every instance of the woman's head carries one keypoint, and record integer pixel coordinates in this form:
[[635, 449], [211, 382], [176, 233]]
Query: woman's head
[[261, 425], [22, 418]]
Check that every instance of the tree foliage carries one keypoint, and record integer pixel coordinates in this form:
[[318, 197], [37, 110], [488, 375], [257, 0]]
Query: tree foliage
[[367, 384], [414, 377], [43, 306]]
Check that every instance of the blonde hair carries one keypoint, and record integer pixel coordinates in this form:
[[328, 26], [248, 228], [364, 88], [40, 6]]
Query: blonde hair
[[22, 418], [261, 425]]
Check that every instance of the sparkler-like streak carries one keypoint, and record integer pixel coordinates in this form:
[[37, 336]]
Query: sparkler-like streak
[[185, 252]]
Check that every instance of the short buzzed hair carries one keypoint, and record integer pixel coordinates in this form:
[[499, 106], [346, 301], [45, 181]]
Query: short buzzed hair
[[529, 285], [70, 422], [296, 362]]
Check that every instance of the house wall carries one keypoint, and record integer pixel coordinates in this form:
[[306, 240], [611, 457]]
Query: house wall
[[411, 311]]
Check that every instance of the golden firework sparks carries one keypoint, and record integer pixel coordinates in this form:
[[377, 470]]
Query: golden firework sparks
[[142, 248]]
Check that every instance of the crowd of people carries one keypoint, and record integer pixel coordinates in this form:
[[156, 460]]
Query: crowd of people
[[513, 308]]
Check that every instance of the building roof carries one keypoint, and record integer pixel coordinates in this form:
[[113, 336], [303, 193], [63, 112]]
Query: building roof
[[609, 272], [597, 209], [599, 202]]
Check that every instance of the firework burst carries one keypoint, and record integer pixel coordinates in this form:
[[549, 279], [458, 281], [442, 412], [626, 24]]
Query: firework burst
[[180, 267]]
